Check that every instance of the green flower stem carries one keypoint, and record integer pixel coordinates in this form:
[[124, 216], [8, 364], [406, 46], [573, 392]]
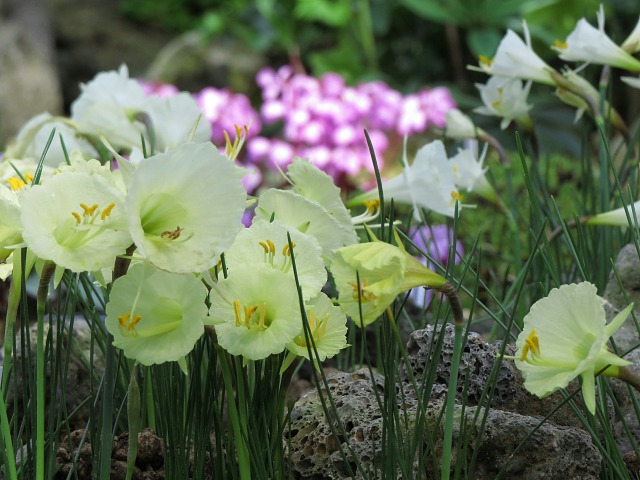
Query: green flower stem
[[10, 319], [43, 292], [458, 318], [5, 431], [238, 422]]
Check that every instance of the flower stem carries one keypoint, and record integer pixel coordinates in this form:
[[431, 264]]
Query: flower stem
[[12, 312], [629, 376], [43, 291]]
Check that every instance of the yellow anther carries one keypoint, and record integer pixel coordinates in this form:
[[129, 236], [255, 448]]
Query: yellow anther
[[272, 247], [128, 324], [89, 210], [16, 183], [265, 247], [317, 328], [286, 251], [360, 293], [456, 196], [560, 44], [496, 103], [372, 206], [263, 313], [107, 211], [238, 312], [77, 217], [172, 235], [486, 61], [532, 343]]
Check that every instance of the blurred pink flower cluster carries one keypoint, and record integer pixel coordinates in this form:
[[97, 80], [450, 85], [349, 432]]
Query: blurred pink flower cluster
[[322, 119]]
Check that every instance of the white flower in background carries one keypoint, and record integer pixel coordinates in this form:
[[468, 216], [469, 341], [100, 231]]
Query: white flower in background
[[516, 59], [308, 216], [266, 242], [108, 105], [428, 183], [10, 226], [255, 311], [505, 98], [76, 220], [468, 172], [33, 136], [617, 217], [459, 126], [632, 43], [631, 81], [173, 119], [592, 45], [185, 207], [315, 185]]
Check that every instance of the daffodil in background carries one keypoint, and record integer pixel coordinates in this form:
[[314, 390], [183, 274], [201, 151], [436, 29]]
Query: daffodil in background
[[616, 217], [505, 98], [369, 276], [184, 207], [266, 243], [565, 336], [516, 59], [156, 316], [10, 227], [592, 45], [255, 311]]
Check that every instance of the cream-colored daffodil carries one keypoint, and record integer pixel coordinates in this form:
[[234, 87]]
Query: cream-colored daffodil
[[266, 243], [429, 183], [617, 217], [33, 136], [108, 106], [306, 215], [505, 98], [328, 330], [76, 220], [632, 43], [255, 311], [184, 207], [592, 45], [156, 316], [10, 226], [369, 276], [459, 126], [516, 59], [315, 185], [565, 336]]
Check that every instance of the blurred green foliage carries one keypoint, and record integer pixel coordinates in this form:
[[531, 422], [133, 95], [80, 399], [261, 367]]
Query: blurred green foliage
[[408, 43]]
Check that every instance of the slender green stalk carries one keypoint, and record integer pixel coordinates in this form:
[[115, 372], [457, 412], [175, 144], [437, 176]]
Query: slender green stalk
[[43, 292], [12, 313], [5, 431]]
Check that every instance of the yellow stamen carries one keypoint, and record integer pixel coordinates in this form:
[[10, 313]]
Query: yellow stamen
[[172, 235], [76, 216], [560, 44], [372, 205], [263, 312], [272, 247], [127, 325], [265, 247], [107, 211], [89, 210], [238, 312], [16, 183], [456, 196], [360, 293], [286, 251], [486, 61], [531, 343]]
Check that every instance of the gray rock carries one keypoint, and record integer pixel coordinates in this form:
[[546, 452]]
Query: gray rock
[[549, 452]]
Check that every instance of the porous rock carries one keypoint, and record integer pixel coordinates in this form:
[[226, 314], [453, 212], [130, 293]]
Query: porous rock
[[509, 441]]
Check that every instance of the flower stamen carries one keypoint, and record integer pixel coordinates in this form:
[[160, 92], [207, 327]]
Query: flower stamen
[[172, 235], [127, 325]]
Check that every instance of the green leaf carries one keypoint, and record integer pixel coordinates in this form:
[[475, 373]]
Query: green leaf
[[431, 11], [335, 13], [483, 41]]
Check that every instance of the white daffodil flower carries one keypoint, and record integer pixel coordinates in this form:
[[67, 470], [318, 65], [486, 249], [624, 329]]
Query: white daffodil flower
[[255, 311], [565, 336], [505, 98], [108, 106], [266, 243], [184, 207], [76, 220], [156, 316], [592, 45], [516, 59]]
